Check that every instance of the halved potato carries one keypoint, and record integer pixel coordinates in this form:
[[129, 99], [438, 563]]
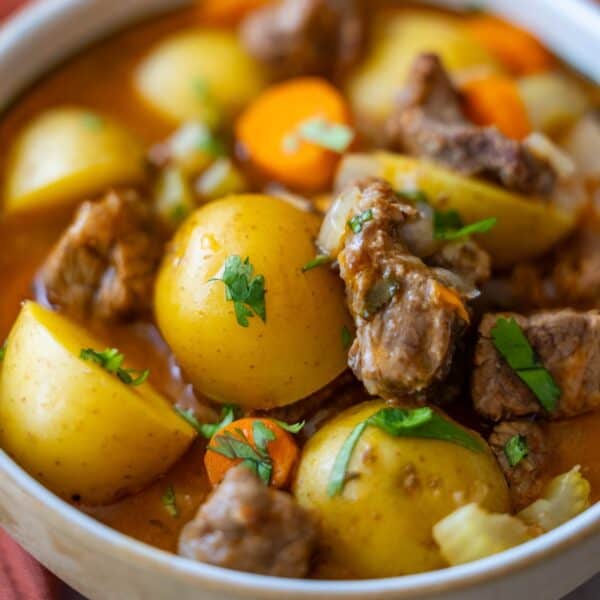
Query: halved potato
[[67, 153], [201, 74], [74, 426], [400, 37], [525, 228]]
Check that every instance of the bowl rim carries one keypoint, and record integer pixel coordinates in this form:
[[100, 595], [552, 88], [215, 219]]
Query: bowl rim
[[30, 23]]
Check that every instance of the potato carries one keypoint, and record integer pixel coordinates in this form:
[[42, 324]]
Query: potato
[[297, 350], [201, 74], [553, 101], [525, 228], [381, 524], [74, 426], [65, 154], [400, 36]]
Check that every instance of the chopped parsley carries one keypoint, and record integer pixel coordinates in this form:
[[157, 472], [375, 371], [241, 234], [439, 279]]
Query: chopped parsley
[[516, 449], [237, 446], [111, 360], [317, 261], [447, 225], [244, 289], [347, 338], [207, 430], [378, 296], [2, 352], [290, 428], [398, 422], [357, 221], [169, 501], [178, 213], [513, 346], [321, 132]]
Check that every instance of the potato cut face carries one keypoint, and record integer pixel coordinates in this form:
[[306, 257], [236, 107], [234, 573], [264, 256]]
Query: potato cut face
[[74, 426]]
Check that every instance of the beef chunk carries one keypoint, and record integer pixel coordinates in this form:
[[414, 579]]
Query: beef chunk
[[247, 526], [525, 479], [104, 264], [407, 320], [305, 37], [428, 122], [568, 345]]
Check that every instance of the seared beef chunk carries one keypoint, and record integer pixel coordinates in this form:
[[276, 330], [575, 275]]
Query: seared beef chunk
[[428, 122], [248, 526], [407, 320], [104, 264], [525, 479], [305, 37], [567, 344]]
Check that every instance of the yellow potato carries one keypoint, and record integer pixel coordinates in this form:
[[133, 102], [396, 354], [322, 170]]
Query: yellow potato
[[74, 426], [525, 228], [68, 153], [297, 350], [401, 36], [202, 74], [399, 487]]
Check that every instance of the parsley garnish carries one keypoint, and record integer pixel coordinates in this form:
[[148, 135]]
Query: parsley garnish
[[291, 428], [245, 290], [398, 422], [2, 351], [449, 226], [178, 213], [516, 449], [237, 446], [513, 346], [169, 501], [378, 296], [207, 430], [317, 261], [347, 338], [321, 132], [111, 360], [357, 221]]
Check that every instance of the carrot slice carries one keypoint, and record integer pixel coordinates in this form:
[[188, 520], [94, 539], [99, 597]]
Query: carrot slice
[[227, 12], [520, 52], [495, 100], [269, 132], [282, 450]]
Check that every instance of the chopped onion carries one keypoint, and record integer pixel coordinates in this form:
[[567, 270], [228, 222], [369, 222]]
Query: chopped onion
[[333, 229], [583, 144], [354, 167], [452, 280], [545, 149]]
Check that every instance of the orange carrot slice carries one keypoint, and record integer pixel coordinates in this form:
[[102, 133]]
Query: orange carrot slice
[[517, 49], [495, 100], [289, 133], [281, 451]]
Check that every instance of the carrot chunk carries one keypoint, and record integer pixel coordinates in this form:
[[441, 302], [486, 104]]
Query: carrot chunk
[[495, 100], [261, 444], [517, 49], [294, 132], [226, 12]]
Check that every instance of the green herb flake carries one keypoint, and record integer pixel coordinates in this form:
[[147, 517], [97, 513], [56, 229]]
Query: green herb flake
[[200, 89], [317, 261], [111, 360], [237, 446], [513, 346], [357, 221], [169, 501], [449, 226], [2, 352], [92, 121], [244, 289], [290, 427], [178, 213], [347, 338], [516, 449], [321, 132], [208, 430], [398, 422], [378, 296]]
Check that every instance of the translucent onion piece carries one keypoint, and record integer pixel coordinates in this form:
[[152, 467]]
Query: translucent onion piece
[[564, 498], [545, 149], [471, 533], [452, 280], [333, 229], [583, 144], [356, 166]]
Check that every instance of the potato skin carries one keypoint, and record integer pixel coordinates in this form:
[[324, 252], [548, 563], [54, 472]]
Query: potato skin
[[73, 425], [201, 74], [297, 350], [66, 154], [381, 524]]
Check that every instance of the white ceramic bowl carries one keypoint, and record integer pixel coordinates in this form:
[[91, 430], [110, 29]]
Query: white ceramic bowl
[[104, 564]]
